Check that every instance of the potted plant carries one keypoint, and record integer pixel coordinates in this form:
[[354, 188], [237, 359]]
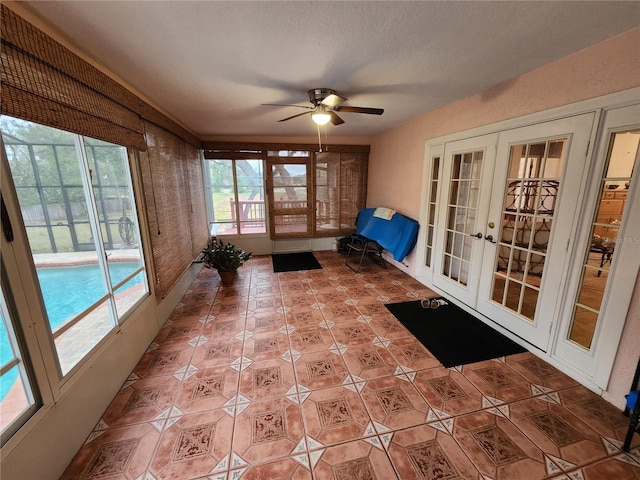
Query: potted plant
[[224, 257]]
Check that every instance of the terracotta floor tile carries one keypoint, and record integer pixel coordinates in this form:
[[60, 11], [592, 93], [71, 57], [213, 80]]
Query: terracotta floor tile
[[298, 300], [336, 415], [192, 445], [556, 431], [369, 361], [394, 403], [304, 317], [353, 333], [117, 453], [354, 460], [304, 375], [179, 332], [284, 468], [498, 449], [424, 452], [142, 401], [617, 467], [266, 345], [448, 392], [265, 322], [207, 389], [538, 372], [340, 312], [388, 326], [410, 353], [216, 352], [309, 337], [498, 381], [321, 370], [160, 361], [268, 430], [267, 379], [264, 305], [599, 414], [264, 290], [224, 327]]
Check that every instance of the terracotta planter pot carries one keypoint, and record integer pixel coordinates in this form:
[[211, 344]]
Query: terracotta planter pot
[[227, 277]]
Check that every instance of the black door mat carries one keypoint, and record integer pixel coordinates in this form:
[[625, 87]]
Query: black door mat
[[451, 334], [292, 262]]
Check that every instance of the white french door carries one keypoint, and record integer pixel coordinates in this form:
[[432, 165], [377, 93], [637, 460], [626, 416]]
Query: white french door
[[538, 174], [464, 200], [505, 216]]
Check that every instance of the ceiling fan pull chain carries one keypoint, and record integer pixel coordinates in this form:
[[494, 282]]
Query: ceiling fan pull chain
[[319, 140]]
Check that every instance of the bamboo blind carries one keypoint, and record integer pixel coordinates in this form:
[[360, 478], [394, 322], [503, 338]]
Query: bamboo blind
[[198, 214], [45, 82], [174, 215]]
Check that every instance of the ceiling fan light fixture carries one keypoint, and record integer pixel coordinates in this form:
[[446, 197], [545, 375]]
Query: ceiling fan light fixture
[[321, 116]]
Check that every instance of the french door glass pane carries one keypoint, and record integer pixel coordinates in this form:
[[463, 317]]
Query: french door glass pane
[[608, 217], [431, 212], [532, 185], [461, 222]]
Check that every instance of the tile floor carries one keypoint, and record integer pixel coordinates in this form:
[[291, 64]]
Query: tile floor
[[306, 375]]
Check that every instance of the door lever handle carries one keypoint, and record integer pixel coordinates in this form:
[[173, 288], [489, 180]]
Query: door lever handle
[[477, 235], [489, 238]]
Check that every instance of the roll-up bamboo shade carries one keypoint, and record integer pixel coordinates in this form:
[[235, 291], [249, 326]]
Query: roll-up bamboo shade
[[168, 206], [45, 82], [195, 184]]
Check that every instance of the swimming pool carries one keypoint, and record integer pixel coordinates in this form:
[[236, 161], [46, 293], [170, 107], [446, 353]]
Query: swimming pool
[[66, 293]]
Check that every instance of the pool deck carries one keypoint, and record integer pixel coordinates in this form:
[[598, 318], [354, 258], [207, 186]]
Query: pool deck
[[74, 259]]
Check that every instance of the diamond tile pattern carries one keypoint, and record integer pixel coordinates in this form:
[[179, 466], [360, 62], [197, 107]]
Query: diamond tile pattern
[[305, 375]]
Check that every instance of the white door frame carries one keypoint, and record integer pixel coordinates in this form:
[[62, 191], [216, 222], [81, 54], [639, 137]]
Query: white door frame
[[424, 274], [597, 362]]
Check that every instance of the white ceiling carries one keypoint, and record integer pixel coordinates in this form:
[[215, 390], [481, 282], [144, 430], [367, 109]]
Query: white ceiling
[[211, 64]]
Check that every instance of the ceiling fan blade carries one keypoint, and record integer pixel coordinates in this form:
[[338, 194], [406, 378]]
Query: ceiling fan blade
[[332, 100], [294, 116], [287, 105], [371, 111], [335, 119]]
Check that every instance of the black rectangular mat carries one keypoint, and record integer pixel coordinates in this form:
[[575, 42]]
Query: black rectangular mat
[[452, 335], [291, 262]]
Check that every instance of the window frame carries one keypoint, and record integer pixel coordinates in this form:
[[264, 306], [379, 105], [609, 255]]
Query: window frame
[[108, 300], [285, 153]]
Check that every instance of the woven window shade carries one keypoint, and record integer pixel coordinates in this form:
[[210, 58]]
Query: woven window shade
[[198, 214], [44, 82], [341, 191], [164, 175]]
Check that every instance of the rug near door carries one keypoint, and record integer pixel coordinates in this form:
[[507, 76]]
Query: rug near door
[[451, 334]]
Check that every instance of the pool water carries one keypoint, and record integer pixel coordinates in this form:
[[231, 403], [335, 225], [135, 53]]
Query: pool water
[[66, 293]]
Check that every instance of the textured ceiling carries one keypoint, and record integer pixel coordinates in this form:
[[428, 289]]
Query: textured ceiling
[[211, 65]]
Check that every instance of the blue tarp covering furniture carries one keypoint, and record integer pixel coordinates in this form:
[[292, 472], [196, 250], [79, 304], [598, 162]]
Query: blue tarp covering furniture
[[396, 235]]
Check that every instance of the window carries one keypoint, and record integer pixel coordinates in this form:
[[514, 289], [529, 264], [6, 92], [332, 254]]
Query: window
[[78, 207], [17, 397], [310, 194], [235, 196]]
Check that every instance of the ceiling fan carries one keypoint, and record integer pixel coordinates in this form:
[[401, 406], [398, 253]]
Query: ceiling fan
[[326, 103]]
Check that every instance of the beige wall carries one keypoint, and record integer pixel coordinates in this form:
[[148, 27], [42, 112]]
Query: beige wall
[[397, 155]]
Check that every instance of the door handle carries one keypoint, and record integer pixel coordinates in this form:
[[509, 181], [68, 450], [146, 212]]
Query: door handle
[[477, 235], [489, 238]]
